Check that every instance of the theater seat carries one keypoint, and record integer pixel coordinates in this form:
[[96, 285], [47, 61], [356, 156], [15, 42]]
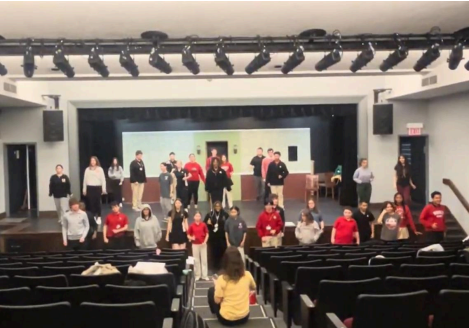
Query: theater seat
[[48, 315]]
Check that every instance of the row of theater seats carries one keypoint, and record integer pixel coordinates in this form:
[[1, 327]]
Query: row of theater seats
[[289, 275], [55, 283]]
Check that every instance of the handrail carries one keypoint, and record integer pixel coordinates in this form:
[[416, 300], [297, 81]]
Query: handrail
[[458, 194]]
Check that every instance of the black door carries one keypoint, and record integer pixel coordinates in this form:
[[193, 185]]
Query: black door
[[17, 178], [32, 178], [220, 146], [415, 150]]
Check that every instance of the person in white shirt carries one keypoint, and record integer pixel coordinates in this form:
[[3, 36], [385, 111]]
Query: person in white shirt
[[94, 185]]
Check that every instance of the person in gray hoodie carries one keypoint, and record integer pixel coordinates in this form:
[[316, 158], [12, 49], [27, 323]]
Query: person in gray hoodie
[[147, 230], [307, 231], [75, 226]]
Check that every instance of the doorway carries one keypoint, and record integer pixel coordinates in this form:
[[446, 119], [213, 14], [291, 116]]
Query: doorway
[[22, 180], [220, 146], [414, 148]]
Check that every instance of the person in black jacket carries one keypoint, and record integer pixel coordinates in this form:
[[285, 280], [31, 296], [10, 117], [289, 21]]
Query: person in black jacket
[[59, 188], [275, 177], [215, 221], [93, 232], [216, 181], [138, 178]]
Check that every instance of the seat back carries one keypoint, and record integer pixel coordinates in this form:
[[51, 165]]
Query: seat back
[[156, 279], [19, 271], [100, 280], [367, 255], [5, 282], [48, 315], [43, 264], [432, 285], [340, 297], [460, 282], [422, 270], [68, 270], [345, 263], [459, 269], [398, 253], [447, 260], [391, 311], [11, 264], [265, 256], [34, 281], [135, 294], [452, 309], [312, 257], [360, 272], [288, 269], [396, 261], [142, 315], [307, 279], [15, 296], [438, 254], [73, 295], [273, 265]]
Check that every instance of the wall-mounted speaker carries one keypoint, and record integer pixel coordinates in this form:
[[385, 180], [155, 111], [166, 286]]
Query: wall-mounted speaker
[[382, 119], [53, 125]]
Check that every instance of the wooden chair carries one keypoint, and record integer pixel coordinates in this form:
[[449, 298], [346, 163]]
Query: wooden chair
[[312, 186], [325, 181]]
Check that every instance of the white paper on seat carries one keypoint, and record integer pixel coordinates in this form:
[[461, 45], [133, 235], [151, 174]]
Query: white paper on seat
[[148, 268]]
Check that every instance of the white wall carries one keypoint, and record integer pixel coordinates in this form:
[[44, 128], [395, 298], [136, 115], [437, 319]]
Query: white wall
[[449, 150], [25, 126]]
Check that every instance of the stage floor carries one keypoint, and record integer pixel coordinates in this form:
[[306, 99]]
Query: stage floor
[[250, 210]]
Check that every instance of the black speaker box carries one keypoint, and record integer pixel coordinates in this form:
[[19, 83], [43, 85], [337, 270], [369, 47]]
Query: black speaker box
[[53, 125], [382, 119]]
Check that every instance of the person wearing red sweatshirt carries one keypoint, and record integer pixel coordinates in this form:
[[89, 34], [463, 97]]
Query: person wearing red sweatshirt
[[196, 174], [406, 217], [265, 165], [433, 219], [269, 226], [208, 162], [115, 227], [225, 165], [345, 230]]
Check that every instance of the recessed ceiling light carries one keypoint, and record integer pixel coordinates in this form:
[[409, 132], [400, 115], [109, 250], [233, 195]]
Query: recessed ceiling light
[[313, 33]]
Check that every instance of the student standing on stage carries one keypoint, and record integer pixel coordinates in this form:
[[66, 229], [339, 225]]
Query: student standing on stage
[[209, 160], [94, 185], [182, 176], [225, 165], [433, 218], [390, 221], [75, 227], [166, 181], [138, 178], [215, 221], [115, 227], [236, 230], [269, 225], [216, 181], [265, 165], [93, 231], [363, 177], [177, 226], [276, 174], [59, 188], [147, 230], [198, 234], [171, 163], [402, 179], [406, 217], [256, 163], [345, 230], [307, 231], [116, 175], [196, 174], [313, 209], [365, 222]]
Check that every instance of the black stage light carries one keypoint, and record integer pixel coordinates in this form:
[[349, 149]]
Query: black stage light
[[128, 63], [3, 70], [394, 59], [295, 59], [158, 62], [62, 63], [222, 61], [189, 61], [330, 59], [28, 62], [262, 59], [428, 57], [96, 62], [455, 56], [363, 58]]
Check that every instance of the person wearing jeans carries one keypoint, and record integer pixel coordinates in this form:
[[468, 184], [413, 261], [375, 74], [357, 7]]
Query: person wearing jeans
[[59, 188], [236, 230], [166, 184], [256, 164], [138, 178], [363, 177], [229, 298], [198, 234], [275, 178]]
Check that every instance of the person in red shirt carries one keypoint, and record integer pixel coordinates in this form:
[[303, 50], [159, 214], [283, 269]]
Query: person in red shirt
[[433, 219], [269, 226], [406, 217], [198, 234], [114, 228], [228, 168], [196, 174], [345, 229], [209, 160]]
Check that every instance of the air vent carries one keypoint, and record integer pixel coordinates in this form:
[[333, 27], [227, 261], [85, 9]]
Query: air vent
[[429, 81], [9, 87]]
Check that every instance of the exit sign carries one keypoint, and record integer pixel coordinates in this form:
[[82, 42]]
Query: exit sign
[[414, 131]]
